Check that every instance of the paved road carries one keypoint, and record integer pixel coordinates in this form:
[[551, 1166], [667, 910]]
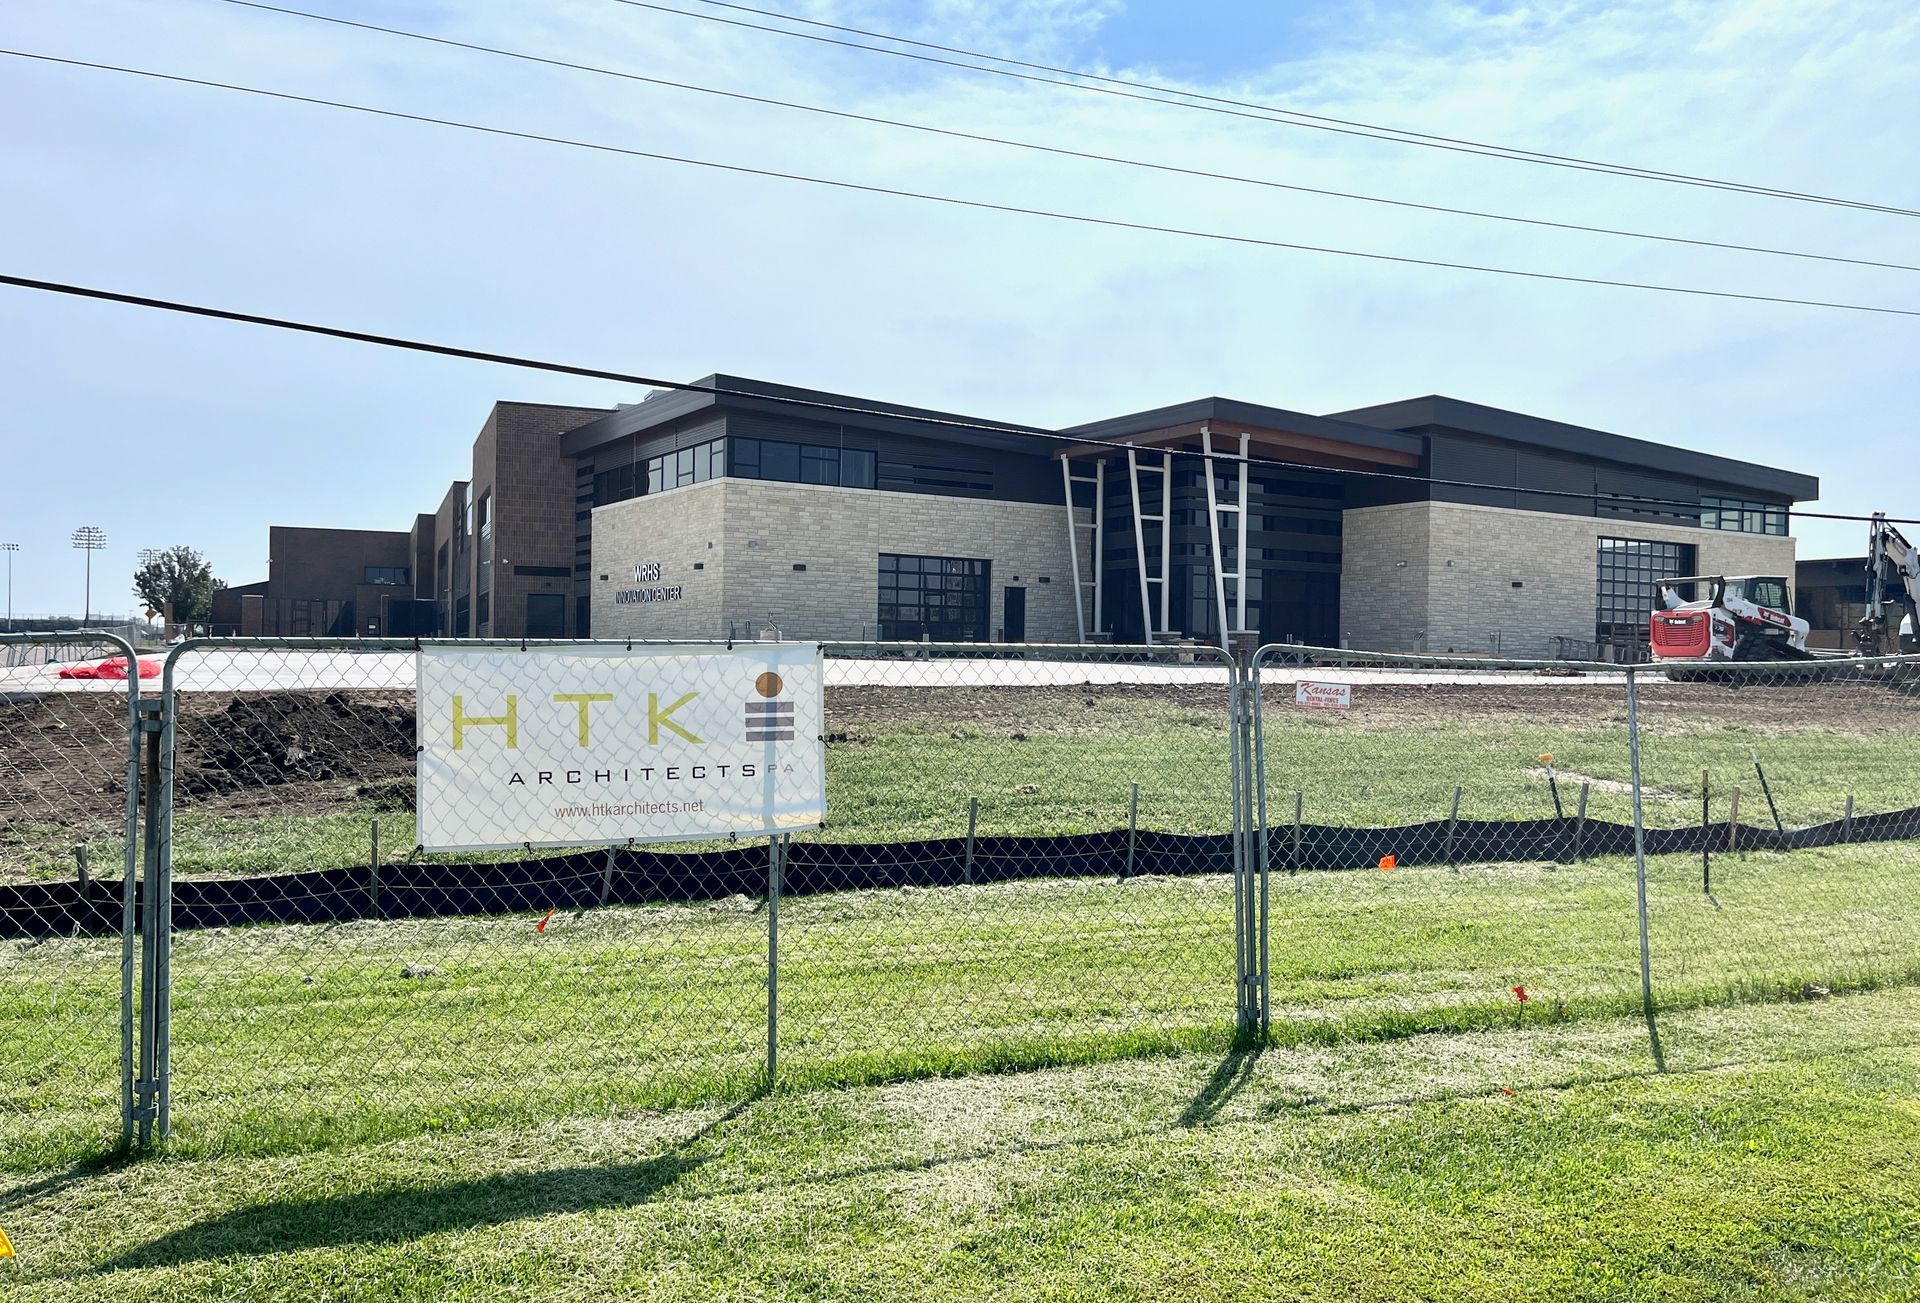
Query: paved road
[[282, 670]]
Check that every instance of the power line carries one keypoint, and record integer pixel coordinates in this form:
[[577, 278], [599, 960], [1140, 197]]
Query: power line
[[1110, 223], [826, 405], [1061, 151], [1256, 112]]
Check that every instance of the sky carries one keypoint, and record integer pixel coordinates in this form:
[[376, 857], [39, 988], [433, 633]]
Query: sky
[[163, 430]]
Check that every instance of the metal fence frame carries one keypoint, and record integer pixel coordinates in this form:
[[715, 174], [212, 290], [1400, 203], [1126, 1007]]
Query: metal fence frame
[[151, 720], [134, 1090], [156, 987]]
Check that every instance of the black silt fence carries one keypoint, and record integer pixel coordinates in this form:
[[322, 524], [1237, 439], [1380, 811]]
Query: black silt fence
[[426, 889]]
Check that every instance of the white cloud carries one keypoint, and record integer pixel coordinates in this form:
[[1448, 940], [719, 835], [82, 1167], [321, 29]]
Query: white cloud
[[675, 271]]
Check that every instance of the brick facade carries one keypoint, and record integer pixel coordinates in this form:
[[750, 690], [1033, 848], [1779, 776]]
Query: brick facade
[[748, 537], [1441, 576], [516, 459]]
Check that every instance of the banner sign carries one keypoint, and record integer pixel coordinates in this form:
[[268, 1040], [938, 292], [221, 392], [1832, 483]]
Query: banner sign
[[575, 746], [1323, 696]]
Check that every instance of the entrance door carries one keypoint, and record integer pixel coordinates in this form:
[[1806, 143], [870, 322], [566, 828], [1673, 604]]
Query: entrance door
[[546, 615], [1015, 621]]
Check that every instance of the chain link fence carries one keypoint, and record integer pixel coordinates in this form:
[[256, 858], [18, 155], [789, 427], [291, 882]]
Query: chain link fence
[[67, 904], [1782, 804], [1448, 842], [1031, 855], [1028, 858]]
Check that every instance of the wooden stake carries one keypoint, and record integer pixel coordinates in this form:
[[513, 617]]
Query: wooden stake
[[80, 865], [1706, 836], [1846, 821], [1733, 821], [1133, 826], [373, 863], [606, 877], [1294, 864], [1580, 821], [1453, 822], [973, 820]]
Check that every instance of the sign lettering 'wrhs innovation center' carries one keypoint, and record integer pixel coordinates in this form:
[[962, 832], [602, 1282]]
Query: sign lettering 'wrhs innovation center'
[[589, 746]]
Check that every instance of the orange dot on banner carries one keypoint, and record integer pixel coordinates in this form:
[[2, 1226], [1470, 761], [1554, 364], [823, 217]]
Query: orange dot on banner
[[1388, 863], [768, 684]]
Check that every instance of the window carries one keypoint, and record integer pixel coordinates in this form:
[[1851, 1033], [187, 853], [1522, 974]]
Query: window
[[695, 465], [1743, 516], [460, 628], [1768, 592], [616, 484], [803, 463], [383, 574], [1626, 573], [940, 598], [485, 521]]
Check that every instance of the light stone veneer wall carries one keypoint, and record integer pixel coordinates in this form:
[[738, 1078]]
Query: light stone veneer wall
[[1456, 589], [749, 534]]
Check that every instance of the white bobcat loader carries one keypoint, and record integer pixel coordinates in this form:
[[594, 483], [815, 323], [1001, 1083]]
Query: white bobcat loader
[[1727, 618]]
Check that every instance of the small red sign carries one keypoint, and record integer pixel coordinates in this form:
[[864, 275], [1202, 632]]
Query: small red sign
[[1323, 696]]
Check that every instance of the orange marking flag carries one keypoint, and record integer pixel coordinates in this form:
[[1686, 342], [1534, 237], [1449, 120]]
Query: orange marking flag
[[1388, 863]]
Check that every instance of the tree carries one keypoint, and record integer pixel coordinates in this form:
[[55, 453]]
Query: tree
[[177, 581]]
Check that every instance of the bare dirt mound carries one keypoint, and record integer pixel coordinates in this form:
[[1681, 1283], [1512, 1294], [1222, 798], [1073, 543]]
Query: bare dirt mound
[[230, 745]]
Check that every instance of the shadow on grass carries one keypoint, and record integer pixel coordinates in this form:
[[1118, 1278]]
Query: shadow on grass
[[409, 1212], [1233, 1073], [86, 1170]]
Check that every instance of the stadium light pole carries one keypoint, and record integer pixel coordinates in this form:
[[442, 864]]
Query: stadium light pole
[[9, 549], [89, 539]]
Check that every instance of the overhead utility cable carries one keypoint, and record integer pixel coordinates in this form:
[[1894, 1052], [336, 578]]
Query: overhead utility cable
[[1061, 151], [828, 404], [1259, 112], [1109, 223]]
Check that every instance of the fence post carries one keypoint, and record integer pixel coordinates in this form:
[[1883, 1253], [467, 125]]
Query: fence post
[[1580, 821], [776, 874], [1258, 777], [148, 1085], [129, 920], [1640, 869], [163, 915]]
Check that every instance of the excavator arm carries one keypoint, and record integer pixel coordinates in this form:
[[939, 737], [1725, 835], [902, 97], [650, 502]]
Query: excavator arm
[[1893, 589]]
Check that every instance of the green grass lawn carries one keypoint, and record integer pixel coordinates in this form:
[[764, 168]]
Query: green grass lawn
[[1531, 1163], [288, 1037], [1065, 760]]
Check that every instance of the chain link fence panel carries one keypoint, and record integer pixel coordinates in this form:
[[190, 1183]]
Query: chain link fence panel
[[1782, 803], [1028, 858], [330, 982], [67, 902], [1448, 843]]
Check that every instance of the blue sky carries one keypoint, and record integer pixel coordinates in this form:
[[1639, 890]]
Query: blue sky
[[166, 431]]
